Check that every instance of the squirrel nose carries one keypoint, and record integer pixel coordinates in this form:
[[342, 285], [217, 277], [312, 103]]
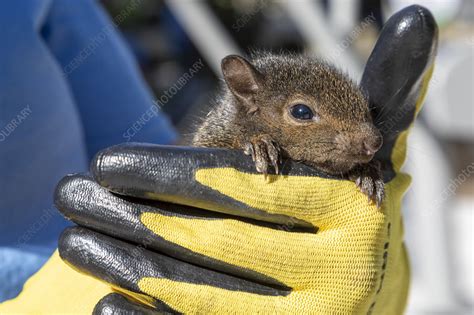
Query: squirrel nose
[[372, 145]]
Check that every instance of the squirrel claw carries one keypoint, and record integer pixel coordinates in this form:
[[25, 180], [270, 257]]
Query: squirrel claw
[[264, 152], [273, 153], [380, 192], [248, 150], [368, 178]]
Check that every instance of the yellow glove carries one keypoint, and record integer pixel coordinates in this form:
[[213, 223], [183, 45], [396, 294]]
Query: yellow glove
[[301, 242]]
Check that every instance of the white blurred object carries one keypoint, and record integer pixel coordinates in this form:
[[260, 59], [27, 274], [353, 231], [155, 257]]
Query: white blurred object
[[323, 40], [460, 228], [343, 15], [451, 92], [444, 11], [205, 31], [432, 288]]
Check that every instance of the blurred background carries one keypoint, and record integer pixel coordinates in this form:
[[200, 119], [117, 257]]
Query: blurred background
[[168, 37], [178, 45]]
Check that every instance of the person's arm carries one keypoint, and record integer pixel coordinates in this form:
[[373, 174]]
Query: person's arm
[[41, 139], [68, 87]]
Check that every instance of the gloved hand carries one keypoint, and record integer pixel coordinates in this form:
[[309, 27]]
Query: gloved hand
[[198, 230], [223, 239]]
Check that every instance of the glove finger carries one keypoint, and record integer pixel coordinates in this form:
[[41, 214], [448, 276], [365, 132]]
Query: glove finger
[[148, 277], [397, 73], [115, 303], [221, 180], [80, 199], [123, 265]]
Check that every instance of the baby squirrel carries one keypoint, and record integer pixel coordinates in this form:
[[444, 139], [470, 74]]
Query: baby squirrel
[[299, 108]]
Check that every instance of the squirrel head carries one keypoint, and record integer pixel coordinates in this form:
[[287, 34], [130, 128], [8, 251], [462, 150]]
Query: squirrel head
[[315, 113]]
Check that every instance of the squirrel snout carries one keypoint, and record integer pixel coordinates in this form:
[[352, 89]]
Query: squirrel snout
[[372, 144], [360, 145]]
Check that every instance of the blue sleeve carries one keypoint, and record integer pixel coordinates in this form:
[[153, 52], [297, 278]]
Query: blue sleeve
[[41, 134], [68, 87], [114, 102], [41, 140]]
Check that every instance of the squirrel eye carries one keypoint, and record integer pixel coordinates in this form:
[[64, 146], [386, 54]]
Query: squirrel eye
[[301, 112]]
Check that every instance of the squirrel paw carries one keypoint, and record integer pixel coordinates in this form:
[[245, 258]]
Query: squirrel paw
[[368, 178], [264, 152]]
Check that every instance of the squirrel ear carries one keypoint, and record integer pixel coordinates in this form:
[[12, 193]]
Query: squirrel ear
[[241, 77]]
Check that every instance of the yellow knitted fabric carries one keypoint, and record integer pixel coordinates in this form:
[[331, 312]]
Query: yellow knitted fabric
[[57, 289], [355, 260]]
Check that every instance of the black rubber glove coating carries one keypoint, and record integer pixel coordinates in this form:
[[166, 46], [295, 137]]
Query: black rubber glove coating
[[123, 264], [116, 304], [393, 75]]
